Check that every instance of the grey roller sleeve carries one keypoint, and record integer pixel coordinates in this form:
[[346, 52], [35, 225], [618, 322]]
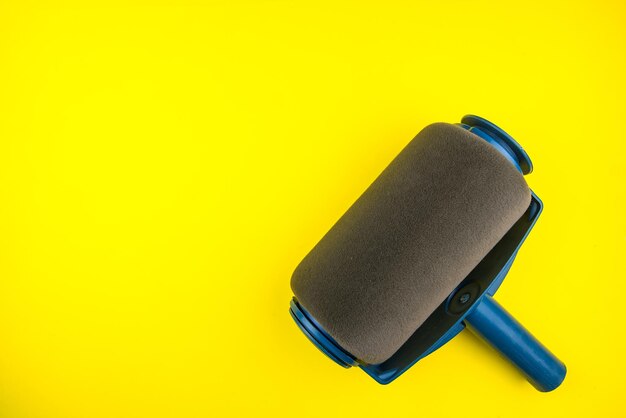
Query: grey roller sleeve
[[409, 240]]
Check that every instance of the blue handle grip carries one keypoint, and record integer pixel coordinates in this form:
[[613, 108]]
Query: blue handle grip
[[495, 325]]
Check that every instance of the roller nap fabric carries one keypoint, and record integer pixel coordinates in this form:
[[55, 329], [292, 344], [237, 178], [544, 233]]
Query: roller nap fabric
[[409, 240]]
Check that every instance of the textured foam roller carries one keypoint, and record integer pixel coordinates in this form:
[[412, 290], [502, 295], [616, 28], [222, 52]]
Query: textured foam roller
[[409, 240]]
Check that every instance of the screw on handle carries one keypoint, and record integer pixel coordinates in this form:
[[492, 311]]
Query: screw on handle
[[494, 324]]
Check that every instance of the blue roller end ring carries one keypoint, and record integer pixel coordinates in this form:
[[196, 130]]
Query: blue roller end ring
[[316, 334], [515, 152]]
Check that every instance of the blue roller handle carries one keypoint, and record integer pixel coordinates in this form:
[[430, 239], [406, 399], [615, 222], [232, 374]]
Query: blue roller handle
[[496, 326]]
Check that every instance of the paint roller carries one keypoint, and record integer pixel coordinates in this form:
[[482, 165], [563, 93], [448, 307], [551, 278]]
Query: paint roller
[[420, 254]]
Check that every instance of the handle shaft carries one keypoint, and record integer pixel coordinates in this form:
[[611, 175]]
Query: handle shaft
[[494, 324]]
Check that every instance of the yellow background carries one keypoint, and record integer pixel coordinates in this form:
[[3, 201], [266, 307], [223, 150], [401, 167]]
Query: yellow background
[[164, 166]]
